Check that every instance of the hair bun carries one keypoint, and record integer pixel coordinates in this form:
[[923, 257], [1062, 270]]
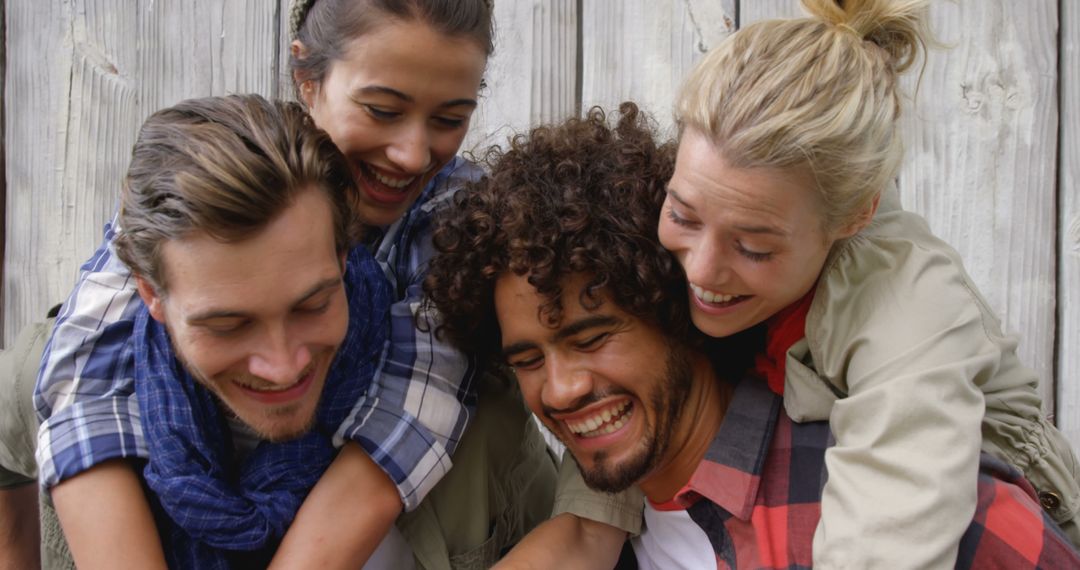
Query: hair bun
[[896, 26]]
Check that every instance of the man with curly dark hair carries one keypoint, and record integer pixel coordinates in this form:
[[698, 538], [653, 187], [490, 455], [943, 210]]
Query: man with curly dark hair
[[553, 265]]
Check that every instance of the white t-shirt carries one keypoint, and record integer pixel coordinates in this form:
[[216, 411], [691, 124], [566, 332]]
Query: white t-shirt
[[671, 539]]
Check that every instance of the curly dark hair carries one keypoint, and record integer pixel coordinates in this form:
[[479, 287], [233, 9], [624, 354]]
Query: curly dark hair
[[578, 197]]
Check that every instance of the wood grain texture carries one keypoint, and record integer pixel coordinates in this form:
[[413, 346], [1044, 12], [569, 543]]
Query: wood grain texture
[[83, 76], [981, 159], [641, 50], [751, 11], [3, 163], [532, 76], [1068, 342], [38, 83]]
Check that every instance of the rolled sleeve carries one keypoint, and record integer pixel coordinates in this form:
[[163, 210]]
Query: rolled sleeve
[[85, 390], [417, 407]]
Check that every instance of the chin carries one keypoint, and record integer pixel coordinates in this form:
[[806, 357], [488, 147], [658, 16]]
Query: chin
[[711, 326], [281, 425], [602, 476]]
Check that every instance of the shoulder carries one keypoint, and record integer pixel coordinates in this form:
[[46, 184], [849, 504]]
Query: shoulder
[[455, 175], [895, 287]]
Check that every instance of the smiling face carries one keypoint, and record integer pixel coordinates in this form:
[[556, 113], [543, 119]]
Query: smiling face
[[398, 106], [608, 385], [258, 321], [751, 240]]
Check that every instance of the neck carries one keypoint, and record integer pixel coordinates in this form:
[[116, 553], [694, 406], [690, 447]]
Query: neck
[[697, 426]]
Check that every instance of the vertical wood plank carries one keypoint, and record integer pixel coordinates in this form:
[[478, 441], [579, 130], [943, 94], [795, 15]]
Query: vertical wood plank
[[284, 86], [980, 165], [751, 11], [38, 79], [1068, 344], [641, 50], [84, 76], [531, 78], [3, 156]]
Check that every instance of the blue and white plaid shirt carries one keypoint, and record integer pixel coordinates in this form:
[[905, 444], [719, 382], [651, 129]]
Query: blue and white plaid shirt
[[410, 420]]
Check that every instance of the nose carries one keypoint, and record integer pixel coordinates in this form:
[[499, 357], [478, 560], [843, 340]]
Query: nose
[[411, 150], [278, 359], [567, 384], [706, 264]]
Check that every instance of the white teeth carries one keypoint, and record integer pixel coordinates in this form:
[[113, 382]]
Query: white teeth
[[391, 182], [709, 296], [597, 424]]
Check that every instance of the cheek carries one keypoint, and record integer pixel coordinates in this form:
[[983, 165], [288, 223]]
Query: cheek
[[330, 328], [354, 135], [211, 357], [532, 388], [445, 144]]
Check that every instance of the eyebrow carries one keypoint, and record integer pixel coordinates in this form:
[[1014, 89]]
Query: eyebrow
[[212, 314], [570, 330], [383, 90], [769, 230], [675, 195], [761, 230]]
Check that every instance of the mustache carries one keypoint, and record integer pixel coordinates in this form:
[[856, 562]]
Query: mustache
[[256, 383], [583, 402]]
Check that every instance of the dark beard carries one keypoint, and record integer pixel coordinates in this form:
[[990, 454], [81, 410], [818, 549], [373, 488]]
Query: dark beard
[[668, 400]]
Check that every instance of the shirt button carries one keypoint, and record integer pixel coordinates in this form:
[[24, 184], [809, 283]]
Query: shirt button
[[1049, 501]]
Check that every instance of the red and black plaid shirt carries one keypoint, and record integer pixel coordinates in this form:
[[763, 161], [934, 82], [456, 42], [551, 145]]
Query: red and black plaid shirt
[[757, 497]]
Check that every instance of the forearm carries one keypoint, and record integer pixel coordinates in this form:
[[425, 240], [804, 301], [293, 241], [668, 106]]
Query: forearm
[[901, 479], [20, 536], [566, 542], [107, 519], [416, 409], [344, 518]]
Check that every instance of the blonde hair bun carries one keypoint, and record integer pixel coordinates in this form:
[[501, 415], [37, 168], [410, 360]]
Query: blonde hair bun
[[896, 26]]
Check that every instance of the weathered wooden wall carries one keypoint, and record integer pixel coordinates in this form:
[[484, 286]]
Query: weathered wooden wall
[[993, 134], [81, 77], [1068, 340]]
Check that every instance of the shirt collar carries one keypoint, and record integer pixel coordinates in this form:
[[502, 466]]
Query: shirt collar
[[730, 473]]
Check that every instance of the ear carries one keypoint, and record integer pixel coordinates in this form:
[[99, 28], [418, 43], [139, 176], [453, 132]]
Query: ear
[[862, 220], [307, 86], [151, 298], [298, 51]]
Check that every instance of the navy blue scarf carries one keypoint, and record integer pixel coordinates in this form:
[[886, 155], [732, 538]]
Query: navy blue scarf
[[209, 511]]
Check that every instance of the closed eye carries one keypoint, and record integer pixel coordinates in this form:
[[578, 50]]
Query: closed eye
[[679, 220], [526, 363], [449, 122], [756, 256], [225, 327], [593, 342], [315, 309], [380, 113]]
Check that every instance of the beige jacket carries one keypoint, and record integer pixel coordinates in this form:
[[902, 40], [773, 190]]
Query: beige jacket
[[908, 363]]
